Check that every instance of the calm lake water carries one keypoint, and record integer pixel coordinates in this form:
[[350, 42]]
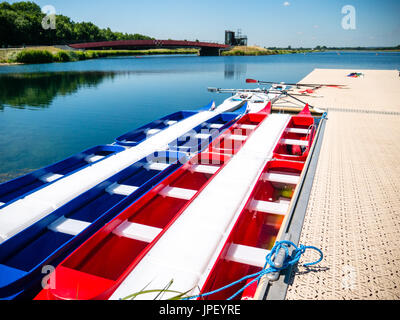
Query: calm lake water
[[51, 111]]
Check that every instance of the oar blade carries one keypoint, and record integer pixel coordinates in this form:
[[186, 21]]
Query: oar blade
[[251, 81]]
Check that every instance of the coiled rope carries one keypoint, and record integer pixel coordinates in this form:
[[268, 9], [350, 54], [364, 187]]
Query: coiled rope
[[289, 260]]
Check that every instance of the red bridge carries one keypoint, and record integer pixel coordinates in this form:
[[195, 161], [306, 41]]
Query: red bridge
[[206, 48]]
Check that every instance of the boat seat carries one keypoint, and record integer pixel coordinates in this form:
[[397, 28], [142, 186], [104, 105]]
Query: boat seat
[[68, 226], [93, 158], [204, 169], [178, 193], [184, 149], [64, 190], [284, 200], [218, 149], [137, 231], [121, 189], [281, 178], [21, 214], [2, 204], [269, 207], [215, 126], [157, 166], [202, 136], [287, 155], [298, 130], [50, 177], [292, 142], [238, 137], [246, 126], [170, 122], [153, 131], [247, 255]]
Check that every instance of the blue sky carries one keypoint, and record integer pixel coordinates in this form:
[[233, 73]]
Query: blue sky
[[279, 23]]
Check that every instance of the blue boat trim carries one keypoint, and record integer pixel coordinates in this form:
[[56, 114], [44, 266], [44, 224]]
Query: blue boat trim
[[135, 137], [21, 187]]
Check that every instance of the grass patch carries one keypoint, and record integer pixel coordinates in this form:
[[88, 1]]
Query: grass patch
[[34, 56], [112, 53], [47, 55]]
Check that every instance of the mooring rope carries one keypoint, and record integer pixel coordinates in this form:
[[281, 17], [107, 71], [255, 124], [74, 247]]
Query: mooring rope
[[288, 261]]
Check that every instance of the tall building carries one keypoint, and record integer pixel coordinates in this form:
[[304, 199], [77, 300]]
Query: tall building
[[233, 39]]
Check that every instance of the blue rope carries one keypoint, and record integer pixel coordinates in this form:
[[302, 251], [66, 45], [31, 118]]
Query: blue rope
[[289, 261]]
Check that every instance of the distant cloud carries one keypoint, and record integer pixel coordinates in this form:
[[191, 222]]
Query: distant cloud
[[286, 4], [299, 32], [316, 26]]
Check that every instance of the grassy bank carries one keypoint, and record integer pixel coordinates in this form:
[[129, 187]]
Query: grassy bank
[[51, 54], [258, 51], [10, 55]]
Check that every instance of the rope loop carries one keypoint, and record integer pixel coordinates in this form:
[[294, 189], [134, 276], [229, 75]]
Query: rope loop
[[271, 265]]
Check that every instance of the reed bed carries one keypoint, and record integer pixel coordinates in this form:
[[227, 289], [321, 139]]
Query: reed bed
[[31, 56]]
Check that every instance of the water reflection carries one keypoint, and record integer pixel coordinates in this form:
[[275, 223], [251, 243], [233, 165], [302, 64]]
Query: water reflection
[[235, 70], [38, 90]]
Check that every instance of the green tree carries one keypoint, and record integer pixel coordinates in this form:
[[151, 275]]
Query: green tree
[[27, 6], [7, 27], [21, 23]]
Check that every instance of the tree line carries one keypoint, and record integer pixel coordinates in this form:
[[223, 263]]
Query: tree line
[[21, 24]]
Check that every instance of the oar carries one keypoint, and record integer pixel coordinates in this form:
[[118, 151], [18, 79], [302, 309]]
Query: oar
[[295, 84], [289, 95], [219, 90], [292, 96]]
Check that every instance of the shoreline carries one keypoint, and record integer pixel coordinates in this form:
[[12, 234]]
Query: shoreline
[[54, 55], [39, 55], [7, 64]]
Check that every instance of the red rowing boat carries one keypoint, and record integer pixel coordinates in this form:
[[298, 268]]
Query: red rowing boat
[[259, 223]]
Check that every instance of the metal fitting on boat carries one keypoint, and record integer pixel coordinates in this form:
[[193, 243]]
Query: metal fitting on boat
[[278, 261]]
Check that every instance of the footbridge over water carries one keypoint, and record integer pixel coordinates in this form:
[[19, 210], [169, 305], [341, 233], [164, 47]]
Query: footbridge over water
[[206, 48]]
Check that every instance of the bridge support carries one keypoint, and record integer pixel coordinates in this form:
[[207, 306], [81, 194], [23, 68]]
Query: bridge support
[[208, 51]]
